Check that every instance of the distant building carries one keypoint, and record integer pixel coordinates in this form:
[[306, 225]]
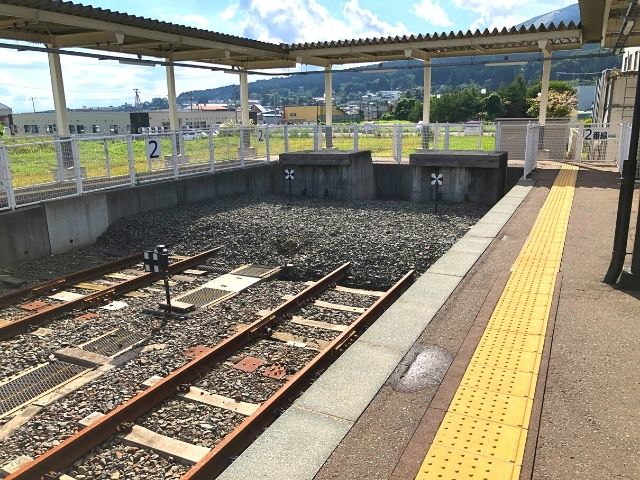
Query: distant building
[[115, 123], [312, 114], [5, 115]]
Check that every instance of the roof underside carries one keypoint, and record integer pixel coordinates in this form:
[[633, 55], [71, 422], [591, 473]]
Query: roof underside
[[65, 25], [602, 22]]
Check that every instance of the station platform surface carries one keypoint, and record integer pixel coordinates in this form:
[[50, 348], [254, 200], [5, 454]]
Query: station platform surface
[[527, 368]]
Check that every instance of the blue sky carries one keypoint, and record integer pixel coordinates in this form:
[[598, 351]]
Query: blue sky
[[91, 83]]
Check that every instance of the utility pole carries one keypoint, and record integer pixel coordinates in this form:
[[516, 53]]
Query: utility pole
[[33, 103], [137, 104], [191, 101]]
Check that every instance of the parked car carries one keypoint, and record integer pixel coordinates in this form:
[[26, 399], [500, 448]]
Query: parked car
[[194, 135]]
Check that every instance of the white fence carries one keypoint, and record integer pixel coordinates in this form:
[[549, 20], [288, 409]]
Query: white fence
[[40, 169]]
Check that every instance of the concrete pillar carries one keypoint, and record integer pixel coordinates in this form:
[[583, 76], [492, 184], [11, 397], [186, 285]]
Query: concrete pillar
[[544, 92], [59, 100], [244, 99], [328, 96], [173, 107], [426, 102], [328, 106]]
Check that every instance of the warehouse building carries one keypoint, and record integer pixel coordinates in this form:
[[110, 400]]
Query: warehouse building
[[96, 122]]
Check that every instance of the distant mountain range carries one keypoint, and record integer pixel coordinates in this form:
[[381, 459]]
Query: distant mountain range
[[567, 14], [352, 84]]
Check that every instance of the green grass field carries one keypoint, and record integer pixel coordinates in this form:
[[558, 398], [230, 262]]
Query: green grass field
[[34, 163]]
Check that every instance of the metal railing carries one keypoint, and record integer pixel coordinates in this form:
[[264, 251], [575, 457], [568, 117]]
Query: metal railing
[[47, 168]]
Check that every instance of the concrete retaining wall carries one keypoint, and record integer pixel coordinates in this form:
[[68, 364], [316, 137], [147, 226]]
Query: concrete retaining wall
[[60, 225]]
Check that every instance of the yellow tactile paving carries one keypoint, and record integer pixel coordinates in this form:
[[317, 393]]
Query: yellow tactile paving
[[484, 431]]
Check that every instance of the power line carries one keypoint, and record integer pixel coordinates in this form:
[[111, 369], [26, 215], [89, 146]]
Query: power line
[[408, 66]]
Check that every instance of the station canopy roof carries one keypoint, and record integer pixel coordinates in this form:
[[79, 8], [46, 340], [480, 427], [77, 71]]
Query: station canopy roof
[[611, 22], [60, 25]]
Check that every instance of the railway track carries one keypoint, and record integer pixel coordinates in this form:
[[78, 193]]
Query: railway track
[[280, 352], [49, 300]]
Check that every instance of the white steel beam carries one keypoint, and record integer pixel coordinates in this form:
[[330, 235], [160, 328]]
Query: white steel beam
[[544, 91], [28, 13], [244, 98], [426, 103], [59, 100], [171, 97], [416, 54], [328, 96]]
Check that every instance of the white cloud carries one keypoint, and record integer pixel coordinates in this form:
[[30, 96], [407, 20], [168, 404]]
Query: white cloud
[[277, 21], [229, 12], [432, 12]]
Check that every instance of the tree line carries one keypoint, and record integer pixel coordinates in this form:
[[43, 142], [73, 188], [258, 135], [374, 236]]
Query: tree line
[[515, 100]]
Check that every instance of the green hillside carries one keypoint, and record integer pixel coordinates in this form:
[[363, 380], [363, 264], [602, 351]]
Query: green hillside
[[579, 66]]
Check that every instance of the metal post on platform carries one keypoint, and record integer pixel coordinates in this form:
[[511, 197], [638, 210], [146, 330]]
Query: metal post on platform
[[447, 136], [266, 141], [480, 136], [174, 149], [76, 164], [5, 175], [107, 159], [396, 140], [355, 137], [498, 134], [286, 138], [212, 153], [316, 137], [241, 149], [625, 199], [577, 154], [132, 163]]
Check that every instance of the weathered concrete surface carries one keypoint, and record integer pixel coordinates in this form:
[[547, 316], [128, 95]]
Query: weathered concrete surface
[[23, 235], [468, 175], [330, 174], [76, 221], [590, 425], [60, 225]]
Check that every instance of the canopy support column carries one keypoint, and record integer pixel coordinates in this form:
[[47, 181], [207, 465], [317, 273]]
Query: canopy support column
[[546, 74], [59, 99], [328, 106]]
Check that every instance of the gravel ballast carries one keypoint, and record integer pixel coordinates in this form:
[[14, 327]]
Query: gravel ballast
[[382, 240]]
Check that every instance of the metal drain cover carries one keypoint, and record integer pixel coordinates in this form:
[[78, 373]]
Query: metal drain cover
[[258, 271], [114, 342], [203, 296], [33, 384], [248, 364]]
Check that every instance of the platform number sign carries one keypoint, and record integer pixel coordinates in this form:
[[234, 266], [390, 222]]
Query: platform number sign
[[596, 133], [436, 180], [154, 149], [289, 175]]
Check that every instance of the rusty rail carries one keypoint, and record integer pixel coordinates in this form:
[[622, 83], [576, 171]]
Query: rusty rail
[[74, 447], [69, 279], [237, 440], [9, 329]]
